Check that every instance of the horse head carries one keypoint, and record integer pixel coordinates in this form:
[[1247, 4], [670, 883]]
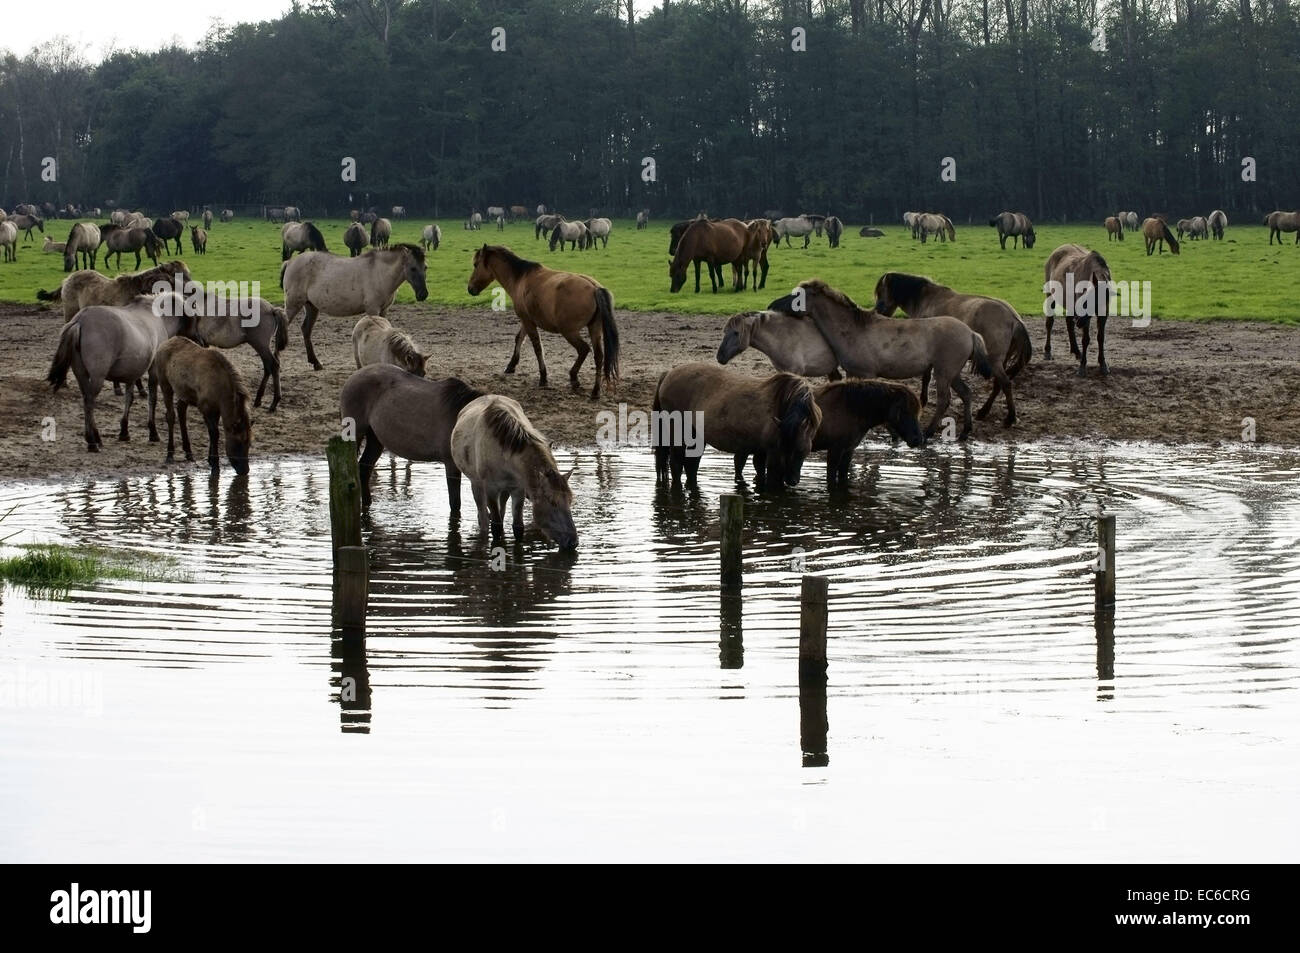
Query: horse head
[[798, 420], [413, 260], [736, 335], [552, 500]]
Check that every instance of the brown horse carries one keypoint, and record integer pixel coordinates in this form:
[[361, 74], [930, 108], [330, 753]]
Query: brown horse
[[675, 233], [759, 240], [1005, 335], [133, 239], [1114, 229], [190, 374], [84, 288], [774, 418], [721, 242], [559, 302], [1279, 222], [1091, 278], [851, 408], [868, 344], [1156, 232], [409, 416], [1013, 225]]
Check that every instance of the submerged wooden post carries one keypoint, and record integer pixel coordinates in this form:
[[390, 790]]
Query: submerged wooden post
[[1105, 566], [813, 725], [351, 587], [345, 493], [731, 641], [732, 518]]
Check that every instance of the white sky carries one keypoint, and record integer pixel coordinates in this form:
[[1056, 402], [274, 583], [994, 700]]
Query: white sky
[[97, 27]]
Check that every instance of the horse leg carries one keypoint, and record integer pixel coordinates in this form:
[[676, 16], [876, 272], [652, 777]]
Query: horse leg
[[942, 398], [1001, 382], [1069, 330], [740, 460], [1083, 354], [583, 350], [537, 349], [494, 515], [1101, 345], [126, 410], [268, 366], [595, 331], [661, 464], [308, 322], [697, 275], [479, 492], [153, 404], [182, 409], [988, 404], [211, 419], [760, 468], [925, 384], [453, 488], [1047, 347], [963, 392], [676, 456], [514, 358], [369, 457], [517, 513], [691, 463], [171, 425], [88, 409]]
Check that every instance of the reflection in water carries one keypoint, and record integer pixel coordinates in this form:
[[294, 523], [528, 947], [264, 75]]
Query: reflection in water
[[1104, 623], [731, 644], [813, 725], [350, 679]]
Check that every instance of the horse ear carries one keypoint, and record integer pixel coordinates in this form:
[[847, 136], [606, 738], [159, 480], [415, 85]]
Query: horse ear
[[568, 473]]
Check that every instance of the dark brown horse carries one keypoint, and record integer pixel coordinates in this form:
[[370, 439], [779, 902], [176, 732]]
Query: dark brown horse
[[1091, 281], [1114, 229], [203, 377], [170, 229], [675, 233], [1013, 225], [851, 408], [718, 242]]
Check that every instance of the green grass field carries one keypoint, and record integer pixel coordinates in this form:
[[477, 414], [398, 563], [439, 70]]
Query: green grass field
[[1240, 277]]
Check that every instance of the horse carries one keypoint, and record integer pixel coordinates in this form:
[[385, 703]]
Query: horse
[[227, 215], [868, 344], [717, 242], [573, 232], [1183, 225], [199, 239], [190, 374], [506, 458], [169, 229], [1092, 276], [799, 225], [267, 334], [792, 343], [81, 289], [642, 219], [475, 221], [117, 344], [300, 236], [1217, 222], [430, 237], [517, 212], [51, 247], [276, 214], [376, 341], [834, 229], [9, 240], [207, 218], [1198, 227], [381, 230], [407, 415], [181, 216], [497, 213], [544, 224], [558, 302], [26, 222], [909, 221], [292, 213], [1279, 222], [675, 233], [868, 232], [598, 228], [399, 212], [852, 408], [541, 209], [82, 246], [1156, 232], [347, 286], [132, 239], [937, 224], [368, 218], [774, 418], [355, 238], [759, 232], [1114, 229], [1006, 339], [1013, 225]]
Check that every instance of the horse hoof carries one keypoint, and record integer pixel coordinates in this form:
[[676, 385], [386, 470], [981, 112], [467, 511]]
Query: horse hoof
[[316, 365], [124, 438], [1082, 372], [153, 438], [982, 415], [92, 448]]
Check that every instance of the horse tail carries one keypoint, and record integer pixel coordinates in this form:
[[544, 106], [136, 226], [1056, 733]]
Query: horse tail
[[283, 265], [317, 239], [281, 329], [609, 331], [980, 356], [1022, 349], [69, 344], [55, 295], [1169, 238]]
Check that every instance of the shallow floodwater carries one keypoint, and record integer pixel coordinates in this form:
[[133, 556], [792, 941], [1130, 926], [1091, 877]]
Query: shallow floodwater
[[612, 705]]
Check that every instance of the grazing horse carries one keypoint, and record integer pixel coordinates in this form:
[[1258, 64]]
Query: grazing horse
[[675, 233], [399, 212], [81, 289], [131, 239], [26, 222], [1198, 227], [598, 228], [199, 239], [1217, 222], [544, 224], [1279, 222], [937, 224], [292, 213], [300, 236], [868, 232], [799, 225], [227, 215], [725, 241], [1006, 339], [834, 229], [170, 229], [1114, 229], [204, 377], [1013, 225], [1156, 232], [851, 408], [376, 341], [1130, 220], [791, 342], [347, 286], [642, 219], [910, 220], [558, 302], [573, 232], [181, 215], [497, 213], [408, 416], [1092, 283], [207, 218], [475, 221], [117, 344], [381, 230], [82, 246], [267, 333], [868, 344], [506, 458], [355, 238], [517, 212], [1182, 226], [430, 237], [774, 418], [9, 240], [276, 214]]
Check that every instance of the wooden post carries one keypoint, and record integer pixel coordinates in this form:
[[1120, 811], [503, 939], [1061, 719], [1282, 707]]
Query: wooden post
[[1103, 621], [813, 725], [351, 588], [345, 493], [731, 642], [1105, 565], [732, 519]]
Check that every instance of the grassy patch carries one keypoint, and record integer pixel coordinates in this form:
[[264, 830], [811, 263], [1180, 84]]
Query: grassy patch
[[1240, 277], [52, 568]]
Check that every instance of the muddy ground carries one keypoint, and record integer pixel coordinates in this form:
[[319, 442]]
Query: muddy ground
[[1173, 381]]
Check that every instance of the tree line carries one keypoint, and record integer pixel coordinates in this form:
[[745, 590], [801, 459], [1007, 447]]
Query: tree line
[[1065, 109]]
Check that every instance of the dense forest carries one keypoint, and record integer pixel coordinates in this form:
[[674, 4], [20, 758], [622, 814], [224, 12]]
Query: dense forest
[[1060, 108]]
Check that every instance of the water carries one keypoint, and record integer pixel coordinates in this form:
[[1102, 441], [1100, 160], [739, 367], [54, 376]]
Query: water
[[613, 705]]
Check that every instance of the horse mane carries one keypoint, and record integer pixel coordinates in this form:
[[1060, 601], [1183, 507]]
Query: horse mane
[[314, 234], [863, 397], [817, 286], [402, 347], [906, 289], [518, 266], [509, 431], [794, 401], [459, 393]]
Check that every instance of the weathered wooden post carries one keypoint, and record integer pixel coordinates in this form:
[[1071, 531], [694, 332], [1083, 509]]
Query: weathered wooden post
[[1105, 565], [732, 519], [351, 567], [731, 642], [1103, 621], [813, 725]]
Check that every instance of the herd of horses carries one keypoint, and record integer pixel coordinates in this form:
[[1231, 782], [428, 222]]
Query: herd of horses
[[124, 232]]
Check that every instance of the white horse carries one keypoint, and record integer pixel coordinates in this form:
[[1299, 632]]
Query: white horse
[[431, 237], [255, 322], [574, 232], [9, 240], [1218, 222], [800, 225], [598, 228], [376, 341], [82, 247], [347, 286]]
